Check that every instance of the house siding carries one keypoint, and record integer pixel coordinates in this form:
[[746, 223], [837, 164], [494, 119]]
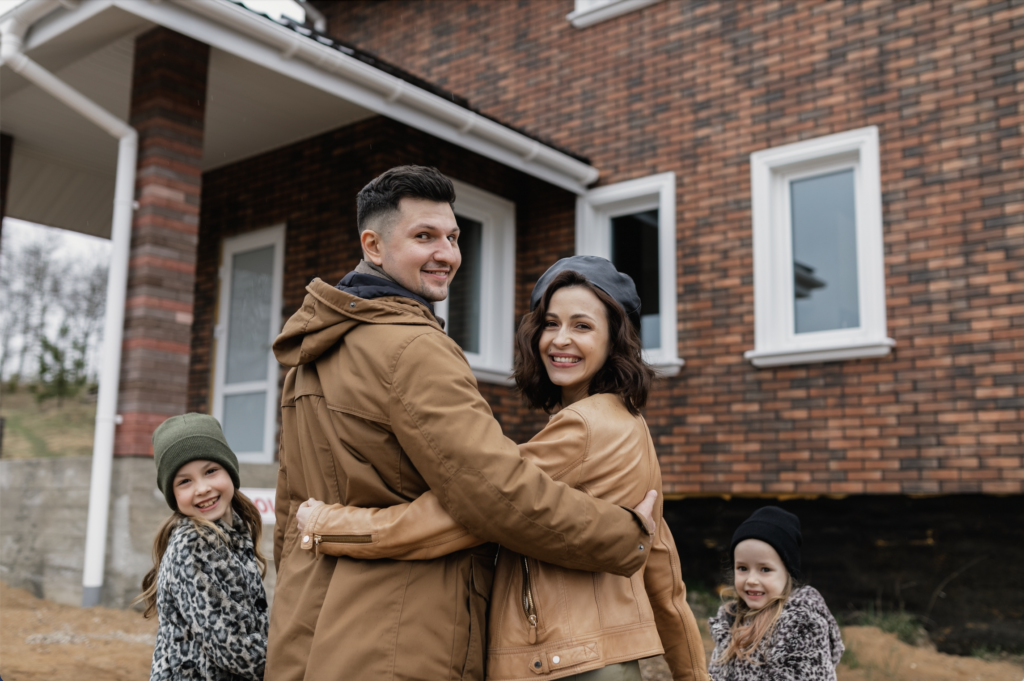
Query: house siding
[[695, 88]]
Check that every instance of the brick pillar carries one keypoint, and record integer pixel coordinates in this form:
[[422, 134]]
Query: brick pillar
[[168, 103], [6, 145]]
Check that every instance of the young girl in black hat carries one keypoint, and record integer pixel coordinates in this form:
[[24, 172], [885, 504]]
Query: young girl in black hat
[[206, 585], [772, 629]]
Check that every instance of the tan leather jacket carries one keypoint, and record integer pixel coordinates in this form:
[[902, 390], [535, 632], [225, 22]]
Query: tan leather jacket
[[379, 407], [548, 621]]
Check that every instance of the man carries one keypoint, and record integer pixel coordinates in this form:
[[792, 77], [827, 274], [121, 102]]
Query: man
[[379, 407]]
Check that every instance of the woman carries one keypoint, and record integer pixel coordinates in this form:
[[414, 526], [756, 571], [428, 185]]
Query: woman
[[578, 354]]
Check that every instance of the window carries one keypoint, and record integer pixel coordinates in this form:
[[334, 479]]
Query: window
[[633, 224], [479, 312], [819, 276], [590, 12], [245, 375]]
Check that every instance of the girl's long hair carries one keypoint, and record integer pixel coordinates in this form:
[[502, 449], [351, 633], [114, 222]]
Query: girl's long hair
[[750, 627], [240, 504]]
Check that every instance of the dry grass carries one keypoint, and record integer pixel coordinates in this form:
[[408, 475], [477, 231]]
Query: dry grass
[[44, 431]]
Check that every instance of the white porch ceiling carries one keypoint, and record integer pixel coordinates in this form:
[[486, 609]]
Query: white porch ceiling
[[62, 166]]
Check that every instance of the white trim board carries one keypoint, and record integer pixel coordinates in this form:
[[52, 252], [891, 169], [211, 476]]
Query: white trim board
[[271, 236], [590, 12], [771, 171], [594, 212], [493, 364]]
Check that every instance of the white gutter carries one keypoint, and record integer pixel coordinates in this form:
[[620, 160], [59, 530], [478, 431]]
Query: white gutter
[[459, 124], [12, 31]]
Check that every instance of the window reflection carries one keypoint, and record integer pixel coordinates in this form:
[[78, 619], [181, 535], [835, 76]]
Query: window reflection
[[463, 323], [252, 276], [824, 252]]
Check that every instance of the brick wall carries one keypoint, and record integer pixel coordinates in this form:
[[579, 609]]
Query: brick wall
[[694, 88], [168, 104], [311, 187]]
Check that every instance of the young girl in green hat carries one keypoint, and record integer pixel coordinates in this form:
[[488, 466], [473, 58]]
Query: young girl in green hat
[[206, 584]]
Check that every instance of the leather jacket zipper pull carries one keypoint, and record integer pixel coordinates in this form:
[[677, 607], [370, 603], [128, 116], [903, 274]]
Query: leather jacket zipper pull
[[529, 606]]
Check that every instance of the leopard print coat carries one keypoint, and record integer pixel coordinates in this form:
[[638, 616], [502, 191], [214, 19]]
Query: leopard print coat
[[211, 606], [805, 645]]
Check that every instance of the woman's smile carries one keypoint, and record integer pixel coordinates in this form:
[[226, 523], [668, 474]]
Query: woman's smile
[[564, 360]]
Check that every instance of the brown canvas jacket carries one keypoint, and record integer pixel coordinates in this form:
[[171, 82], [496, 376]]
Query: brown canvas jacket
[[379, 407], [548, 621]]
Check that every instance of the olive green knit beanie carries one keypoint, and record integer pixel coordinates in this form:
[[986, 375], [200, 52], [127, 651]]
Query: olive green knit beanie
[[185, 438]]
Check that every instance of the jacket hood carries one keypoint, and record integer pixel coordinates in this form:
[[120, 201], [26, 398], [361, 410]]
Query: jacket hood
[[327, 314], [806, 599]]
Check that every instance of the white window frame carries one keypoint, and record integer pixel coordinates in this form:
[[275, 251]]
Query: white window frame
[[594, 213], [493, 364], [590, 12], [776, 342], [272, 236]]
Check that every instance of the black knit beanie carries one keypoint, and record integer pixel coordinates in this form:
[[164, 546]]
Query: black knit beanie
[[780, 529], [185, 438]]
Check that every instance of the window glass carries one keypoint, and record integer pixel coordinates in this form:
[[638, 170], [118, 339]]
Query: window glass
[[244, 418], [463, 323], [635, 252], [252, 277], [824, 253]]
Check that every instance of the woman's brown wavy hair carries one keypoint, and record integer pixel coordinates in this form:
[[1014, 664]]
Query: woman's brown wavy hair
[[240, 504], [625, 373]]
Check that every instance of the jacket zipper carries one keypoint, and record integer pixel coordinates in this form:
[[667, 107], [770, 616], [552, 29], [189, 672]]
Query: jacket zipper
[[529, 607], [341, 539]]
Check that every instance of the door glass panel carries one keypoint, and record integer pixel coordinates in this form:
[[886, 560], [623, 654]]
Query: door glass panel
[[635, 252], [252, 276], [244, 418], [463, 323], [824, 253]]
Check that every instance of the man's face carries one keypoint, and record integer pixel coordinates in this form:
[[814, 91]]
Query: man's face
[[421, 250]]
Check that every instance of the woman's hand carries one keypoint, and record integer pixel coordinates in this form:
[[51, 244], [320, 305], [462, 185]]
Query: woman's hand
[[305, 508]]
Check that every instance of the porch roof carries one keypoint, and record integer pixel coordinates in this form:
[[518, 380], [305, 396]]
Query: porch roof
[[270, 84]]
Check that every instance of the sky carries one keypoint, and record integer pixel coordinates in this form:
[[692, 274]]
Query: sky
[[66, 244], [66, 247]]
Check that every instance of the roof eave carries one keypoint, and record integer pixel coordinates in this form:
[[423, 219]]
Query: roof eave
[[236, 30]]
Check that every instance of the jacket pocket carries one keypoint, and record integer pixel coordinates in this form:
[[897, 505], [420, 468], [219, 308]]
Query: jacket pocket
[[481, 577]]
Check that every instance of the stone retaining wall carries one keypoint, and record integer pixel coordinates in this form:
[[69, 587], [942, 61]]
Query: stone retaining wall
[[43, 515]]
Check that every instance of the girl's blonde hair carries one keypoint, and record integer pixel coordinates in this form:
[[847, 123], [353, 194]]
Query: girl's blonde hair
[[240, 504], [750, 627]]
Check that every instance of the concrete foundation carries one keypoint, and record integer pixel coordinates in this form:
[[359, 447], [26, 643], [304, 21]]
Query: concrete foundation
[[43, 510]]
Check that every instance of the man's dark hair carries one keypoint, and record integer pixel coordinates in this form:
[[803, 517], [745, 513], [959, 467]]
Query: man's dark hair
[[377, 202], [625, 373]]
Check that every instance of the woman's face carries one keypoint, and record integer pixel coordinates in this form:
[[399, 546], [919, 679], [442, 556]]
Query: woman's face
[[204, 489], [575, 340], [760, 575]]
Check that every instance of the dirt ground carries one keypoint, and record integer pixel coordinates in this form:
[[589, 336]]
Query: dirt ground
[[43, 641]]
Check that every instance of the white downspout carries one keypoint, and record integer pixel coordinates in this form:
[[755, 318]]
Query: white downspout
[[12, 55]]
